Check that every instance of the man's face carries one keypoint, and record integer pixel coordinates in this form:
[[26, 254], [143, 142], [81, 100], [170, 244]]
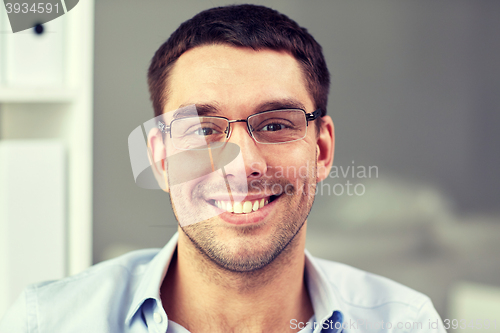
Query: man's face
[[236, 83]]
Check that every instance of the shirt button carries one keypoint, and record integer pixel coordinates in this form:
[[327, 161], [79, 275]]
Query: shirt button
[[157, 317]]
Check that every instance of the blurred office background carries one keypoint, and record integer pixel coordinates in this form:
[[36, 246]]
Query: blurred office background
[[414, 93]]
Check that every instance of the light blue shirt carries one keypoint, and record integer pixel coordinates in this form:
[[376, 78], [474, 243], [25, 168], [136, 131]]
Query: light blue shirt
[[122, 295]]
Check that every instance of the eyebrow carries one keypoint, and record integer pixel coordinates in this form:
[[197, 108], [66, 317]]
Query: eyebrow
[[201, 109], [280, 105], [205, 109]]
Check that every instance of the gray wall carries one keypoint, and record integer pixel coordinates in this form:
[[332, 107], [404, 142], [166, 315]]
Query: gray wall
[[414, 92]]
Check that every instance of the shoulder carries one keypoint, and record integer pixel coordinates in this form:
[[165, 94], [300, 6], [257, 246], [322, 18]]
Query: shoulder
[[358, 289], [99, 292], [102, 276], [371, 301]]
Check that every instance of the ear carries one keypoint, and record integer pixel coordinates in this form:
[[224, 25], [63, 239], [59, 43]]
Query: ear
[[157, 158], [325, 146]]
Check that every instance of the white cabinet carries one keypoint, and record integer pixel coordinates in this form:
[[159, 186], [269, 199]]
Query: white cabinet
[[32, 59], [46, 102], [32, 213], [3, 30]]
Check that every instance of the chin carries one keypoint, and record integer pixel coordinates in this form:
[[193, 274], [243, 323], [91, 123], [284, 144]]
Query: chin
[[250, 249]]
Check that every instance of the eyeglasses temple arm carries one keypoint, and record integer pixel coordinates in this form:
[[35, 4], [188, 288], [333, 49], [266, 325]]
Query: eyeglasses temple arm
[[313, 115], [163, 128]]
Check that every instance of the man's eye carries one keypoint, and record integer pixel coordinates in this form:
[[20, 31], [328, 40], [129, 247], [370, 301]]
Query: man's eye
[[273, 127], [205, 131]]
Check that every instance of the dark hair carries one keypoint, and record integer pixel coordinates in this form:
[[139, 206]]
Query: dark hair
[[257, 27]]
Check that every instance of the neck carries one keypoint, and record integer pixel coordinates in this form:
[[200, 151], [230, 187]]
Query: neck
[[203, 297]]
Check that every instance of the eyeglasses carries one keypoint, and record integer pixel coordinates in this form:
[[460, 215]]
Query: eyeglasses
[[267, 127]]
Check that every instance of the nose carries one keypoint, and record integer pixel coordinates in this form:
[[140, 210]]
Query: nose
[[254, 161]]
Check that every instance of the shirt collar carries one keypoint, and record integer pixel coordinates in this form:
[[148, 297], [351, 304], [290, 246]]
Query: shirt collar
[[152, 278], [323, 298]]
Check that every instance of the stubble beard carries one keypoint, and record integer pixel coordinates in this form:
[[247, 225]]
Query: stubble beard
[[249, 255]]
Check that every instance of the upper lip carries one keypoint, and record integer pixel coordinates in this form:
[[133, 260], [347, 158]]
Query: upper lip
[[239, 197]]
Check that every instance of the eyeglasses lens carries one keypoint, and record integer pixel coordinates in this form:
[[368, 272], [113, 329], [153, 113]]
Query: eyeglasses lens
[[279, 126]]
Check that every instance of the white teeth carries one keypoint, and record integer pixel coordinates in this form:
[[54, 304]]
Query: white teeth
[[242, 207], [238, 208], [247, 207]]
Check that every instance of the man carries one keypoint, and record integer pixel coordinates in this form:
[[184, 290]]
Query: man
[[240, 140]]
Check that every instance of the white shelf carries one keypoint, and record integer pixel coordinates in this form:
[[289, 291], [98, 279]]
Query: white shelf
[[36, 95]]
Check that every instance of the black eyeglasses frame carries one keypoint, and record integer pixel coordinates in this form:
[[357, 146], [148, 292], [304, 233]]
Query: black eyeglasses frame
[[309, 117]]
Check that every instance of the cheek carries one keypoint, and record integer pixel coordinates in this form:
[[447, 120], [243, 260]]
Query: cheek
[[170, 150], [294, 162]]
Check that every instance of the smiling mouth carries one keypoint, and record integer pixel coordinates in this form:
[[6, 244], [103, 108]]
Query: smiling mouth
[[244, 207]]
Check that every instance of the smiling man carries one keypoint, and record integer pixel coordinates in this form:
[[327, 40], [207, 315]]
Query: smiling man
[[249, 257], [240, 140]]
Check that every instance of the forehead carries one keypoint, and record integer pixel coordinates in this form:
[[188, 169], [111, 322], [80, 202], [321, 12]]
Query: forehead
[[235, 77]]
